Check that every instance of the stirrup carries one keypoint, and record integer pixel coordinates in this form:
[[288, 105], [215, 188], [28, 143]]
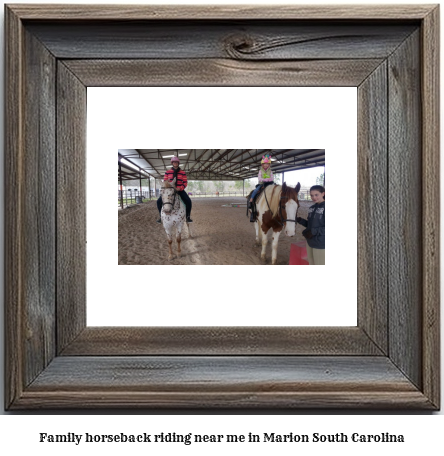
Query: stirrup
[[253, 216], [159, 220]]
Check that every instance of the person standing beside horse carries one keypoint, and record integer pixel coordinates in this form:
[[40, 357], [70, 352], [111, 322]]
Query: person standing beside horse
[[181, 183], [265, 177], [315, 227]]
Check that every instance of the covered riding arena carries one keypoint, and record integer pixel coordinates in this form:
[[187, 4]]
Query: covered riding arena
[[221, 232]]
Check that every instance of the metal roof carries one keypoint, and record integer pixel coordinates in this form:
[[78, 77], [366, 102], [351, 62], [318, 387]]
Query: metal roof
[[216, 164]]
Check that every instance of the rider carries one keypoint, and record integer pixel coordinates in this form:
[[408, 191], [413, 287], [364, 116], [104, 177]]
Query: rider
[[181, 183], [265, 178]]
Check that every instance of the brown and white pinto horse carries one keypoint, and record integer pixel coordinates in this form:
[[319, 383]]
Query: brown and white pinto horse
[[277, 209]]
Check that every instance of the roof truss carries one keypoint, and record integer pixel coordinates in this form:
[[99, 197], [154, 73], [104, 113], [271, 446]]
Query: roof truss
[[218, 164]]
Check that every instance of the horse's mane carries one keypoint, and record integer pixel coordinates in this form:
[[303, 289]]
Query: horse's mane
[[275, 192], [167, 184]]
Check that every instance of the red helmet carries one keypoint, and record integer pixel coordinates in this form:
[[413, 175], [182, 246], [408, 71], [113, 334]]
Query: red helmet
[[175, 159]]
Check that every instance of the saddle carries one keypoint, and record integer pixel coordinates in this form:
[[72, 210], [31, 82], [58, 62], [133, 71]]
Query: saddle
[[256, 198], [261, 190], [181, 200]]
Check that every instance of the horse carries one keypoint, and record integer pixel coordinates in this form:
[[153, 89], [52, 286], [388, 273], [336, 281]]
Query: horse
[[172, 215], [277, 209]]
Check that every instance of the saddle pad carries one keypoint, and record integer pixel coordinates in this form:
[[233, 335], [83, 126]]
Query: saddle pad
[[181, 200]]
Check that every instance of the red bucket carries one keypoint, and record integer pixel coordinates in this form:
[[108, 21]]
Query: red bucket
[[298, 253]]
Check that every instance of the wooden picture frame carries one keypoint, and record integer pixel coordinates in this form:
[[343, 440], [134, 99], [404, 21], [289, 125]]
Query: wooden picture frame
[[390, 360]]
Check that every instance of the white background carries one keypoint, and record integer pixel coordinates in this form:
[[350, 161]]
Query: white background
[[228, 117], [19, 433]]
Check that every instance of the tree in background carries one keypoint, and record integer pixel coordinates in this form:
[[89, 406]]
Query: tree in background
[[219, 186], [202, 186], [192, 186], [238, 186], [320, 180], [250, 184], [230, 186]]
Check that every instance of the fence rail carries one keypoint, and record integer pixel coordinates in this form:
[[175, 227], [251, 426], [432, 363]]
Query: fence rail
[[129, 197]]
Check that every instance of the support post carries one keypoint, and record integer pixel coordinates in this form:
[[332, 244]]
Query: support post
[[121, 184]]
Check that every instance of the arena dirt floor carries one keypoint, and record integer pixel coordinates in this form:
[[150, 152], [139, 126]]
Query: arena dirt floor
[[220, 235]]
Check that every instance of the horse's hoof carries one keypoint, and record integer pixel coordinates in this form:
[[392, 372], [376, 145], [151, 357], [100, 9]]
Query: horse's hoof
[[179, 255], [263, 257], [170, 257], [274, 262]]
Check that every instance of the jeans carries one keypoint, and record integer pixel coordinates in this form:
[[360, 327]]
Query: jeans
[[185, 198], [255, 192], [258, 187]]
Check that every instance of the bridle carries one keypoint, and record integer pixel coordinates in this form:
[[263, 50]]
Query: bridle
[[280, 212], [174, 200], [282, 220]]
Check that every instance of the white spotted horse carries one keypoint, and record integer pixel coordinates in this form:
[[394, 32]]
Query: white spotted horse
[[277, 208], [172, 215]]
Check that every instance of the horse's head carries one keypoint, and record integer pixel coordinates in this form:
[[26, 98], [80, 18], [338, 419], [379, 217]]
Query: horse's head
[[290, 205], [168, 191]]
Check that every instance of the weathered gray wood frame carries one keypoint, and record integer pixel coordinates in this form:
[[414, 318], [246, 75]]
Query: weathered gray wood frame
[[390, 360]]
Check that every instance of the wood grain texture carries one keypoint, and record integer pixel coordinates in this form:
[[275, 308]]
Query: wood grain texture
[[71, 206], [221, 72], [372, 207], [225, 400], [13, 207], [405, 209], [39, 207], [220, 12], [430, 93], [209, 373], [234, 382], [235, 40], [127, 341]]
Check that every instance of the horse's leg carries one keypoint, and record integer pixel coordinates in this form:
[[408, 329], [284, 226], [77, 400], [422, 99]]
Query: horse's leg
[[170, 254], [170, 242], [179, 251], [264, 244], [256, 226], [275, 247], [179, 239]]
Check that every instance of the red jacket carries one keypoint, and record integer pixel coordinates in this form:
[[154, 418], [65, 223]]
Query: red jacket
[[182, 180]]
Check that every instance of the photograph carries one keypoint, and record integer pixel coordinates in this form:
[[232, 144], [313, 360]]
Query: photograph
[[221, 206]]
